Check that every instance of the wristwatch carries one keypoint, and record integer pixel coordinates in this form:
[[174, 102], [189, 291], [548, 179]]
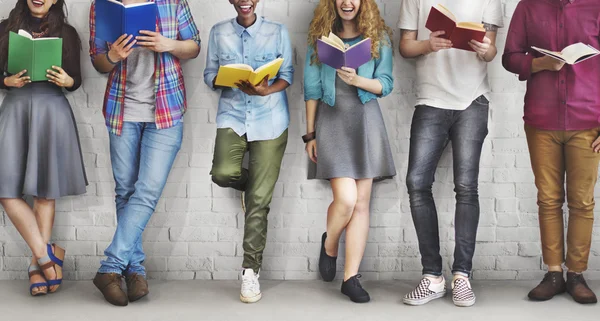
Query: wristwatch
[[308, 137]]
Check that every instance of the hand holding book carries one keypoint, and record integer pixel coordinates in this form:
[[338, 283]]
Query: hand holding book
[[17, 80], [262, 89], [59, 77]]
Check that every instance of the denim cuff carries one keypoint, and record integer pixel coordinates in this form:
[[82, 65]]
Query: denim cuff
[[462, 273], [103, 269]]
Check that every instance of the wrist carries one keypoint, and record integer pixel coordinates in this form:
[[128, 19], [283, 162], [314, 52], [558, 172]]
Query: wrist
[[427, 49], [308, 137], [111, 60], [171, 45], [4, 82]]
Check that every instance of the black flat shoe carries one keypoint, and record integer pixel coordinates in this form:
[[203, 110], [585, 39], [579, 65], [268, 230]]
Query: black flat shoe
[[354, 290], [327, 265]]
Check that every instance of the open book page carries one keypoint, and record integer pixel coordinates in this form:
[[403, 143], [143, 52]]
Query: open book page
[[579, 52], [271, 69], [334, 41], [130, 5], [471, 25], [572, 54], [240, 66], [29, 36], [358, 43], [446, 12]]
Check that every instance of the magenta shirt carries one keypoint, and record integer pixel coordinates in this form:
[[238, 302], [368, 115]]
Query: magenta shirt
[[570, 98]]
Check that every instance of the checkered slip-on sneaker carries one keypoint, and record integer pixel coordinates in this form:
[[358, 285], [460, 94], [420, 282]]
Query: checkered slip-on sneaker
[[462, 293], [425, 292]]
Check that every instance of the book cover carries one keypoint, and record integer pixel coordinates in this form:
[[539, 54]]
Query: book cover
[[113, 19], [460, 33], [230, 74], [354, 56], [572, 54], [34, 55]]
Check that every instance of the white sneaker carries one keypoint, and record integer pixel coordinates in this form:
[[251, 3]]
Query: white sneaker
[[426, 291], [250, 287], [462, 293]]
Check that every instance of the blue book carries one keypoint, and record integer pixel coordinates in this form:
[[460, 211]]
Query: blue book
[[113, 19]]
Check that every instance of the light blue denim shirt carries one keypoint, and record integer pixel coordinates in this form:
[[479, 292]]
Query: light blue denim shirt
[[260, 118], [319, 79]]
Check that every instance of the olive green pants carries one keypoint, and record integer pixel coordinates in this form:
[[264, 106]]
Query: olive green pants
[[258, 181]]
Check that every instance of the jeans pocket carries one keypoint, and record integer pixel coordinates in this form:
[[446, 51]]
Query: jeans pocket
[[481, 100]]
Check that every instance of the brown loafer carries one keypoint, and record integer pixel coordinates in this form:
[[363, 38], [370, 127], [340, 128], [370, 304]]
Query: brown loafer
[[552, 284], [110, 286], [578, 289], [137, 286]]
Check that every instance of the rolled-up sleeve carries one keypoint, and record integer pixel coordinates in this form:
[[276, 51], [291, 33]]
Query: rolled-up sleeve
[[186, 25], [384, 67], [212, 60], [286, 72], [97, 46], [312, 78], [516, 58]]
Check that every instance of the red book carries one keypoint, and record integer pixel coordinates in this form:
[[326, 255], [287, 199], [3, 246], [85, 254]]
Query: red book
[[460, 33]]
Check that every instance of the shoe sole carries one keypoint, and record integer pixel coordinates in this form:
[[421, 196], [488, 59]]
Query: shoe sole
[[424, 300], [253, 299], [464, 304], [133, 299], [591, 301]]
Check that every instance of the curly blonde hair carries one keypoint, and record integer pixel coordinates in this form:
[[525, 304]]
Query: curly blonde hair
[[369, 24]]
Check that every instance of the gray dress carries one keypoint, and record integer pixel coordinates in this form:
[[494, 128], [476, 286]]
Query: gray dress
[[351, 139], [40, 153]]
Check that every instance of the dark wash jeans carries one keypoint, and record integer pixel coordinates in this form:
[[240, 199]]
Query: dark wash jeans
[[432, 129]]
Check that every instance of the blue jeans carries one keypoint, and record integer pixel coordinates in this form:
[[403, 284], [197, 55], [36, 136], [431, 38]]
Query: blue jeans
[[432, 129], [141, 161]]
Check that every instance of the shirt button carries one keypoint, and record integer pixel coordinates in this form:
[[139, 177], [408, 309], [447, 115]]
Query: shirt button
[[560, 25], [248, 101], [245, 40], [564, 102], [562, 81], [246, 57]]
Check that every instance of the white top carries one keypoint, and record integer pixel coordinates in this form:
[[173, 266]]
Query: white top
[[452, 78]]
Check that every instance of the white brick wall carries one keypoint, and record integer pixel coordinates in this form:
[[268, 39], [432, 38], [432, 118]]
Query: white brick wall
[[197, 229]]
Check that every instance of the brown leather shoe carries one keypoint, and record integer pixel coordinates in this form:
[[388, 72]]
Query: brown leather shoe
[[578, 288], [552, 284], [110, 286], [137, 286]]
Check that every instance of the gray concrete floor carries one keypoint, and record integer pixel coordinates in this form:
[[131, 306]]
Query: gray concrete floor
[[285, 300]]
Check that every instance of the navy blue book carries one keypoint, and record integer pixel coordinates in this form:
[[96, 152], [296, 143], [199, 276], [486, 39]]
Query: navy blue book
[[113, 19]]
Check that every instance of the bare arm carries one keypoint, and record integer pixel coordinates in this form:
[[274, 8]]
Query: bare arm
[[410, 47]]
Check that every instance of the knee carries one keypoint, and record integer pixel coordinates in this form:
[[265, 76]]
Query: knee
[[361, 208], [582, 208], [416, 183], [345, 204], [466, 190], [225, 177]]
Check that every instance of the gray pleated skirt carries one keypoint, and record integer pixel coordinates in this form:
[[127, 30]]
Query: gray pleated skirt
[[40, 154], [351, 139]]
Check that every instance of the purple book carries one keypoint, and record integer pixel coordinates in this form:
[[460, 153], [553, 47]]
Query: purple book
[[353, 57]]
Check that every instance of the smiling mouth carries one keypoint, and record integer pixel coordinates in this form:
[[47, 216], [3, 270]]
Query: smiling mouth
[[246, 8], [38, 3], [347, 10]]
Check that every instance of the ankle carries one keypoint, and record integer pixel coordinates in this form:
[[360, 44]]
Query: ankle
[[39, 253], [555, 268], [436, 279]]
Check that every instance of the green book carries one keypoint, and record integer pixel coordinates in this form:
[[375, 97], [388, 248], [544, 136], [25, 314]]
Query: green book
[[34, 55]]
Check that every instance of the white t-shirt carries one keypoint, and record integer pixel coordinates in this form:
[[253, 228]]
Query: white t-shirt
[[451, 78]]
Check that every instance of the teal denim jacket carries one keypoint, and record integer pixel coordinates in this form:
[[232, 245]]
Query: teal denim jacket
[[319, 79]]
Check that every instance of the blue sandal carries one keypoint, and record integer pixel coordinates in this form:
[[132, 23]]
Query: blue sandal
[[35, 270], [54, 259]]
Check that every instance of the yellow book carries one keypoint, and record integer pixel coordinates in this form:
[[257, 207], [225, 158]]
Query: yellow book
[[230, 74]]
